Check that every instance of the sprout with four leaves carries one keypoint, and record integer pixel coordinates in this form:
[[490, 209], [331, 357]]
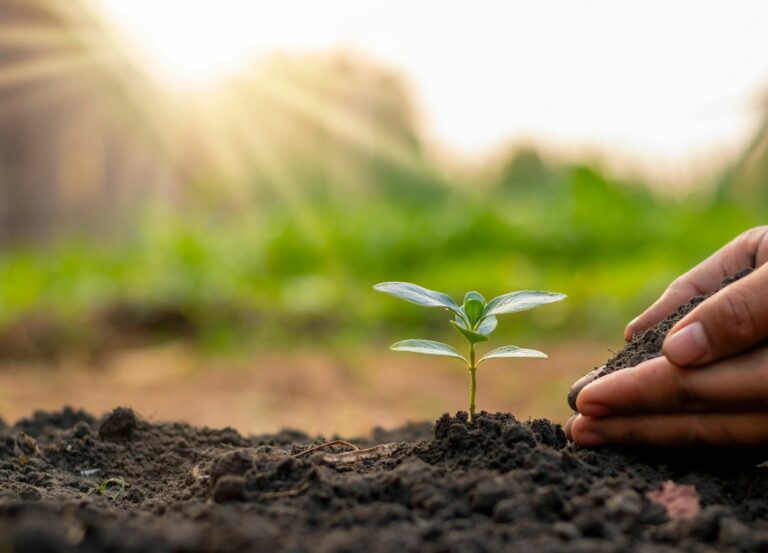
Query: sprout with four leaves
[[475, 320]]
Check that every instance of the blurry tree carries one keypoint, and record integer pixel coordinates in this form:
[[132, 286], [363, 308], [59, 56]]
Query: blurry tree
[[526, 172], [746, 180], [77, 149], [305, 128]]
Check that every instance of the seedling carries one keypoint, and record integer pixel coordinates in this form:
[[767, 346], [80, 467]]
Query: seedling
[[475, 320], [113, 482]]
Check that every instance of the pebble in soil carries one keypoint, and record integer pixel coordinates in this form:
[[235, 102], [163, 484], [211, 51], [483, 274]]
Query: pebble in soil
[[493, 484]]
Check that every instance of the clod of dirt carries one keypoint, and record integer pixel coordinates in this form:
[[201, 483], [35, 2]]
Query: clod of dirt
[[647, 344], [229, 488], [118, 425], [25, 445], [236, 462]]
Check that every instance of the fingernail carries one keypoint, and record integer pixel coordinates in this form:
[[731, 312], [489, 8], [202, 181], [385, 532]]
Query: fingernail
[[568, 424], [580, 384], [594, 410], [687, 345], [589, 439]]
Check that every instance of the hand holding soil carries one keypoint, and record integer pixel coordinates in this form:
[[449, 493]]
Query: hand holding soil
[[708, 382]]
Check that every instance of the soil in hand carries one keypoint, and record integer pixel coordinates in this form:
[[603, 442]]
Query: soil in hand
[[647, 344], [494, 484]]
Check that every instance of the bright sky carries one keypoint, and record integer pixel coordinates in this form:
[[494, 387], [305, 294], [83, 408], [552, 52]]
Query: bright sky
[[666, 82]]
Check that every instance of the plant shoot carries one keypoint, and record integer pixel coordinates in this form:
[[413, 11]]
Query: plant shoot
[[475, 320]]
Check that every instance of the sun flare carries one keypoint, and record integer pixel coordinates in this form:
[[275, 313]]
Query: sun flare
[[190, 43]]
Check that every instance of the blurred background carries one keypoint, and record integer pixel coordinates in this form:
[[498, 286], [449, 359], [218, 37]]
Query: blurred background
[[196, 197]]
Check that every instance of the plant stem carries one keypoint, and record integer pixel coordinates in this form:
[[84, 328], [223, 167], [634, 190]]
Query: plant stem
[[473, 385]]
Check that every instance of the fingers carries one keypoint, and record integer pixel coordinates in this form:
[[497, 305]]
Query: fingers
[[658, 386], [749, 249], [681, 430], [731, 321], [679, 292], [580, 384]]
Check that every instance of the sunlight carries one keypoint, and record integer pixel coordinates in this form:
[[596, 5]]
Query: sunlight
[[193, 43], [574, 76]]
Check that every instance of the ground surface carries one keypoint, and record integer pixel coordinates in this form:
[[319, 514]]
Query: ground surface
[[321, 392], [491, 485]]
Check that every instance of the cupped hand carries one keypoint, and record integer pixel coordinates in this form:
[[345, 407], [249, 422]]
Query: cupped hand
[[660, 403], [711, 385]]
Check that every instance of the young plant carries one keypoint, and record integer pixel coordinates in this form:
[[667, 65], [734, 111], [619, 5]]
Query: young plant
[[113, 482], [475, 320]]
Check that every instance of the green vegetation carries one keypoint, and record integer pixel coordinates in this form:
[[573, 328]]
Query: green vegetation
[[273, 272], [475, 320], [311, 181]]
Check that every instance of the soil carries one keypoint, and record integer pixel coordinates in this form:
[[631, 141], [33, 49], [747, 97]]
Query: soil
[[494, 484], [72, 482]]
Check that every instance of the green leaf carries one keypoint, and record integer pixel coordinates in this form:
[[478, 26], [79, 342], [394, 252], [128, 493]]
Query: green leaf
[[474, 296], [488, 325], [461, 318], [512, 351], [417, 294], [427, 347], [474, 305], [520, 301], [473, 337]]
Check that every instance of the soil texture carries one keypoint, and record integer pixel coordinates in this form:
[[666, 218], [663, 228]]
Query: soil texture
[[72, 482]]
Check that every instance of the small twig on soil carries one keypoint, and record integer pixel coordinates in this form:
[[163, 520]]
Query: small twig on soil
[[198, 475], [327, 444], [375, 452], [287, 493]]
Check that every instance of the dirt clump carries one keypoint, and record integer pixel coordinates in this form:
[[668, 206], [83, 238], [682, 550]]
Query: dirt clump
[[118, 425]]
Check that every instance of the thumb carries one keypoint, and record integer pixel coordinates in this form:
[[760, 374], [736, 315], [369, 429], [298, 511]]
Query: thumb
[[730, 321]]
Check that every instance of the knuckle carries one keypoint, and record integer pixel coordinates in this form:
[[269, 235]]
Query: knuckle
[[752, 241], [736, 318], [632, 436], [687, 392], [676, 286], [753, 235]]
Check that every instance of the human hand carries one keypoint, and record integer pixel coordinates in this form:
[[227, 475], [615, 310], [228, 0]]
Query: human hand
[[711, 385]]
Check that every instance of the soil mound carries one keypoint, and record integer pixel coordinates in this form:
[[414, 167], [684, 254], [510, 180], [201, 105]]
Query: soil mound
[[71, 482]]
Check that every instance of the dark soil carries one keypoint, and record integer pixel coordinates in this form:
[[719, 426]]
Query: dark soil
[[494, 484]]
